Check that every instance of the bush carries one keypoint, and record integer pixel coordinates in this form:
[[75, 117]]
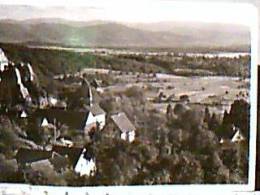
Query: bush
[[135, 92]]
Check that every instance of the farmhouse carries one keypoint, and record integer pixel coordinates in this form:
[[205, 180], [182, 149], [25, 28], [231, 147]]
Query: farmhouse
[[85, 164], [122, 127], [99, 115], [59, 158], [77, 120], [80, 159], [92, 117], [237, 137], [26, 156]]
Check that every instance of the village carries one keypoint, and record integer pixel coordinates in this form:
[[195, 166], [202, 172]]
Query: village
[[52, 113], [59, 125]]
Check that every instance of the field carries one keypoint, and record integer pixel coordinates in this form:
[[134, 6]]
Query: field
[[216, 92]]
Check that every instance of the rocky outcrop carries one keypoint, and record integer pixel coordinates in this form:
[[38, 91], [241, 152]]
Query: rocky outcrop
[[17, 83]]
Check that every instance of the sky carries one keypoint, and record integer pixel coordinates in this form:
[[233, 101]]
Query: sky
[[130, 11]]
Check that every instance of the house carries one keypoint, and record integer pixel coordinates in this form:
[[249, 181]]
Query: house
[[23, 114], [237, 137], [234, 136], [125, 129], [99, 115], [44, 123], [76, 120], [43, 102], [40, 160], [85, 164], [65, 142], [52, 101], [226, 144], [59, 158], [81, 160], [89, 119], [42, 165], [61, 104], [26, 156]]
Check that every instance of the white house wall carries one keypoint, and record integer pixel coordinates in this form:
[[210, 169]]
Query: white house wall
[[45, 123], [237, 137], [84, 166], [128, 136], [101, 120], [91, 119], [53, 101], [123, 136], [131, 136]]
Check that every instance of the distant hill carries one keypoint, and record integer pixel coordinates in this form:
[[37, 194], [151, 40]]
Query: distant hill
[[110, 34]]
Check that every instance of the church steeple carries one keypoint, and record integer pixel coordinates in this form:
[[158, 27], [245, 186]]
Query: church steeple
[[86, 87], [90, 96]]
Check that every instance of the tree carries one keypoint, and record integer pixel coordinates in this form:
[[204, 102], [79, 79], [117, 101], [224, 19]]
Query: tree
[[169, 112], [213, 123], [207, 115], [239, 116], [8, 137], [9, 170]]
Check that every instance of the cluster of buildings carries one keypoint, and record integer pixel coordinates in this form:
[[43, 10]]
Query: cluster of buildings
[[59, 159], [49, 112], [86, 120]]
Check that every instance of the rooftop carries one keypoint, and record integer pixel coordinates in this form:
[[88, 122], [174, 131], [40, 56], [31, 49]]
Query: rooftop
[[95, 109], [122, 122], [25, 155], [72, 153], [73, 119]]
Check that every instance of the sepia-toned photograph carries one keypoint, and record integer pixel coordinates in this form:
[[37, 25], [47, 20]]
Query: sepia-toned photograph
[[124, 94]]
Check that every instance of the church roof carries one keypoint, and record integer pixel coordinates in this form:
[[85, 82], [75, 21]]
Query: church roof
[[95, 109]]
